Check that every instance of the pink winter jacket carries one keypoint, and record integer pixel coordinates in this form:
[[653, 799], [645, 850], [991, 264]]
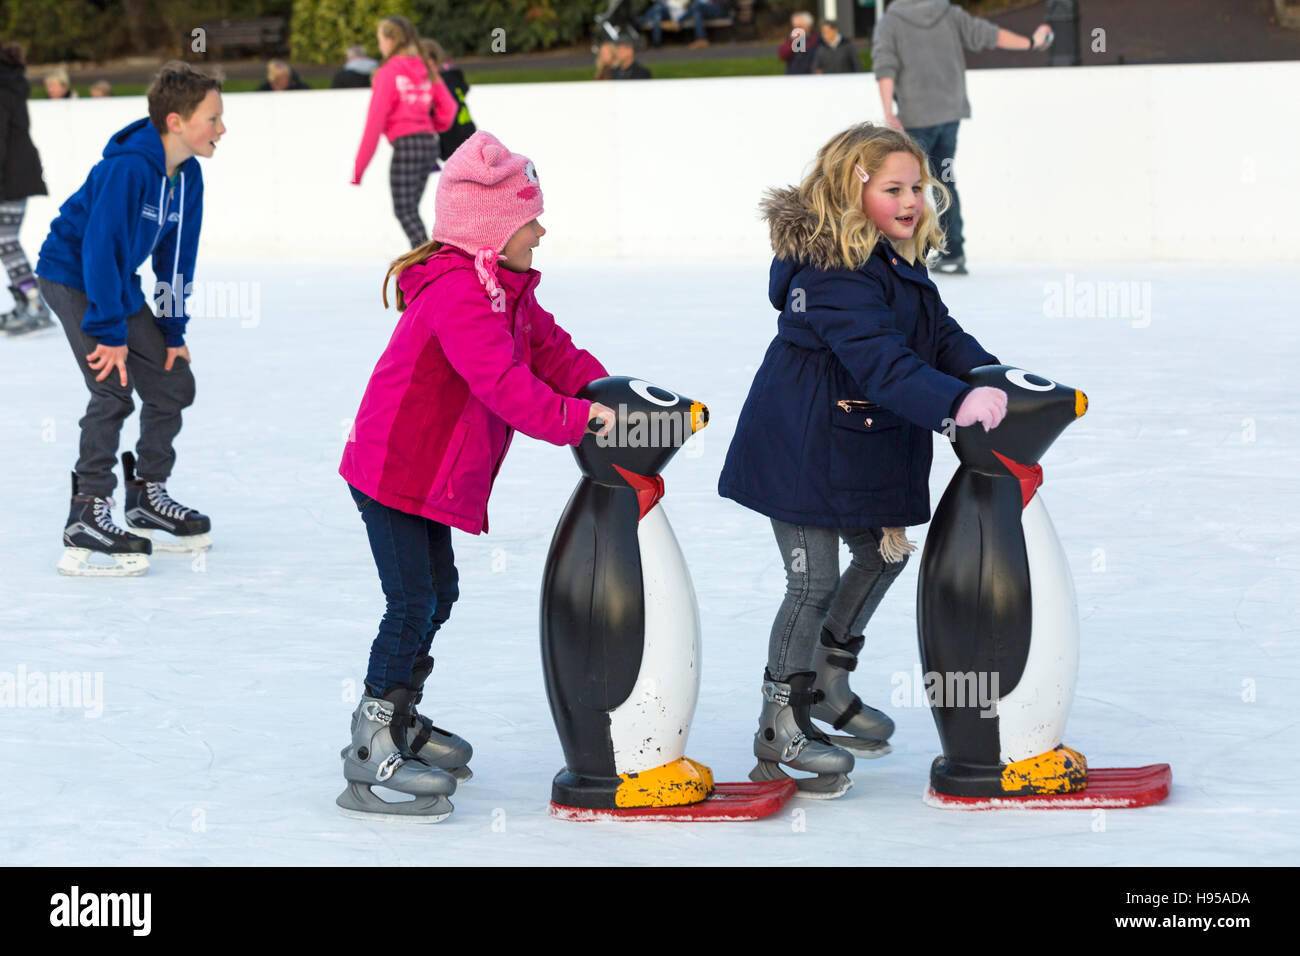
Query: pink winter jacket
[[455, 381], [401, 98]]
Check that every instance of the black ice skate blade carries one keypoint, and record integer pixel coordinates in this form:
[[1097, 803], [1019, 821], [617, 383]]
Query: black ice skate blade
[[359, 802], [824, 786]]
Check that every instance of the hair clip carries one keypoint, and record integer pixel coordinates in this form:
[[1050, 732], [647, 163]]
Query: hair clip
[[862, 173]]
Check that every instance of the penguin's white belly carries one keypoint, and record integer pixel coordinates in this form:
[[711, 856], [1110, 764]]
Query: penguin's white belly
[[649, 729], [1031, 719]]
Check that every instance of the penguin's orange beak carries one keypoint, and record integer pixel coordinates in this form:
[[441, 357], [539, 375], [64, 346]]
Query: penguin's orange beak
[[699, 416], [1080, 403]]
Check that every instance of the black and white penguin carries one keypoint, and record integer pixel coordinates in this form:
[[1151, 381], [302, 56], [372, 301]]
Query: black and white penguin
[[619, 621], [996, 613]]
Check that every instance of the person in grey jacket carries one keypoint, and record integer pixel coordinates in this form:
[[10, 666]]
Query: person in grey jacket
[[917, 50], [835, 54]]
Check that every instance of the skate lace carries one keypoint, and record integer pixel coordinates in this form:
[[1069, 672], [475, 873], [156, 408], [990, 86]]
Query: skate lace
[[162, 502], [103, 516]]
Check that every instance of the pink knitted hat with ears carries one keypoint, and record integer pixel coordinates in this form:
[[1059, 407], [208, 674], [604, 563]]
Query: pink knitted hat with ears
[[485, 194]]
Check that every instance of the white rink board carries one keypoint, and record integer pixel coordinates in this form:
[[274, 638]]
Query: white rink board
[[1086, 163]]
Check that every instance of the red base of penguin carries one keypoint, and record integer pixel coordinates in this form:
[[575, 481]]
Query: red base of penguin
[[729, 803], [1109, 788]]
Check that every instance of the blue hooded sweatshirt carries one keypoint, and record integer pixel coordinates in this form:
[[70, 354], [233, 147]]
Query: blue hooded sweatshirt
[[127, 210]]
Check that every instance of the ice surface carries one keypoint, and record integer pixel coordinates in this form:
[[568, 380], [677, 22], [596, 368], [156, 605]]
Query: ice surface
[[226, 683]]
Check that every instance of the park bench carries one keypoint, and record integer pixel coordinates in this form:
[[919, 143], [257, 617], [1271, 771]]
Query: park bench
[[266, 35], [743, 17]]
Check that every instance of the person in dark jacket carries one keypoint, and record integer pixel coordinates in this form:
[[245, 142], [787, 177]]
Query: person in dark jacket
[[626, 66], [453, 77], [800, 47], [280, 76], [357, 67], [834, 440], [21, 177], [835, 54]]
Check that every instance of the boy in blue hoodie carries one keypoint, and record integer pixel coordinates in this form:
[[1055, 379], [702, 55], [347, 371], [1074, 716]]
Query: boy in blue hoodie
[[144, 198]]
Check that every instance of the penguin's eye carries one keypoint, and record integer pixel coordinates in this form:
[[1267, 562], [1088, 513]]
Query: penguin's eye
[[1035, 383], [653, 393]]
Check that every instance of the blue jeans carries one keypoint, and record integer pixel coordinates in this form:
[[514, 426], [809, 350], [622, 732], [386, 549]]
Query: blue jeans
[[699, 11], [940, 145], [417, 571]]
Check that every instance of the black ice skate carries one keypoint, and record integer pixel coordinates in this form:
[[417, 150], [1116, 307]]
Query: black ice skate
[[92, 538], [150, 509]]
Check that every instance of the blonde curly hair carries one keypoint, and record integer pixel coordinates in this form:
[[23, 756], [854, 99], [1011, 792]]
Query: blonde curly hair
[[833, 190]]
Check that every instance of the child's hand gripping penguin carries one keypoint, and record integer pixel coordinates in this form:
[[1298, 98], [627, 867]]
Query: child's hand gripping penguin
[[997, 619], [620, 628]]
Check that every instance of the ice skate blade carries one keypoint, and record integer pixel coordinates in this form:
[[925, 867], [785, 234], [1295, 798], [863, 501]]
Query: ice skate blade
[[359, 802], [76, 562], [863, 748], [179, 544], [825, 786]]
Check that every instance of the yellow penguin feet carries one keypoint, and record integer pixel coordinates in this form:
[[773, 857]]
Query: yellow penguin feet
[[676, 784], [1060, 770]]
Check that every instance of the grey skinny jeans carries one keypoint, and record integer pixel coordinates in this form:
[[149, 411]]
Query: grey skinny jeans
[[817, 595]]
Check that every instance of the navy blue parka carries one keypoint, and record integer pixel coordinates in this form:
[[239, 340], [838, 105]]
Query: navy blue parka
[[836, 429]]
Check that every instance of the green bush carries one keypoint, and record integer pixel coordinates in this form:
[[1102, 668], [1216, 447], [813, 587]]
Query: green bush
[[54, 31], [468, 26], [321, 30]]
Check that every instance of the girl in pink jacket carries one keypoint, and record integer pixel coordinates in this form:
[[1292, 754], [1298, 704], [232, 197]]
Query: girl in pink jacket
[[410, 105], [472, 359]]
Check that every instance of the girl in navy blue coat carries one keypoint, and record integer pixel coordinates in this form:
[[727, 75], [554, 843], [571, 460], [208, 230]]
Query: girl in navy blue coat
[[834, 438]]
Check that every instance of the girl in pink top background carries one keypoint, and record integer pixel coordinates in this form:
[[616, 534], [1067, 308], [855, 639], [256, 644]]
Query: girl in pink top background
[[472, 358], [410, 105]]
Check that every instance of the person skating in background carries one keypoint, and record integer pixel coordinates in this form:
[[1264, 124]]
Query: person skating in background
[[835, 54], [21, 177], [410, 105], [626, 66], [453, 77], [280, 77], [356, 70], [917, 52], [800, 47], [833, 440], [143, 199], [472, 359], [100, 89]]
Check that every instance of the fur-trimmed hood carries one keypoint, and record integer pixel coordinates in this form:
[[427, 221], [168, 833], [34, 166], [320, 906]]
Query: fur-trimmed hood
[[792, 224]]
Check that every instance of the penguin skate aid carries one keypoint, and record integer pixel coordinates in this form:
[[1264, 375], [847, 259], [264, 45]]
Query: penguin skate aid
[[1028, 634], [415, 479], [833, 441], [620, 630]]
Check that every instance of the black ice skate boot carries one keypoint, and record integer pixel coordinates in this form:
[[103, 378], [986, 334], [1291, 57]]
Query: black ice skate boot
[[866, 729], [786, 735], [150, 509], [92, 537], [435, 746]]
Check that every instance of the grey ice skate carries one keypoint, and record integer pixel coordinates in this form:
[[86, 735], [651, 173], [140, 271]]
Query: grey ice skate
[[435, 746], [379, 757], [29, 314], [786, 736], [867, 729]]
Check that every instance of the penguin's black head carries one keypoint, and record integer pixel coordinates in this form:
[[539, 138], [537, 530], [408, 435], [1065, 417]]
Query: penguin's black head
[[652, 424], [1038, 410]]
